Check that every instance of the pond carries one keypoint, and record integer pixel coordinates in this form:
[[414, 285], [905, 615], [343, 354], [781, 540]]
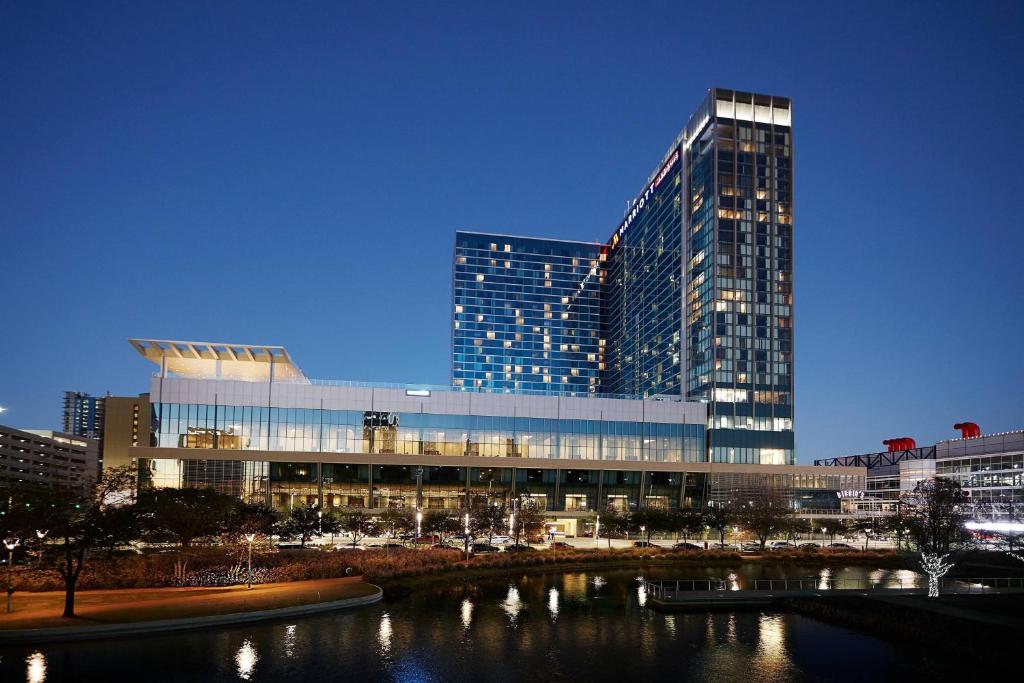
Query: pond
[[581, 626]]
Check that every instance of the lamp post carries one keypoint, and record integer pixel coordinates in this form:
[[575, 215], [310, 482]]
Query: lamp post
[[823, 532], [250, 538], [467, 535], [41, 535], [10, 544], [419, 524], [320, 523], [643, 529], [597, 532]]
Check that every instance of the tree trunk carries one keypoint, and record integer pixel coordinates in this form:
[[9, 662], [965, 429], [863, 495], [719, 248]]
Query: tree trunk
[[69, 598]]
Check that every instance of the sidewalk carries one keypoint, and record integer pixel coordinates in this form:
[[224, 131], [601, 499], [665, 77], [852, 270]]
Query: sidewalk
[[105, 607]]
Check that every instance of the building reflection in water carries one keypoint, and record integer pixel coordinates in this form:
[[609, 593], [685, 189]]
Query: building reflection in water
[[904, 578], [734, 581], [245, 659], [289, 640], [512, 605], [384, 634], [553, 603], [670, 624], [771, 660], [467, 612], [823, 577], [35, 667], [730, 630]]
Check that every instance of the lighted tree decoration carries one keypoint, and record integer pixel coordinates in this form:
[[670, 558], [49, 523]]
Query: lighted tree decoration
[[936, 523]]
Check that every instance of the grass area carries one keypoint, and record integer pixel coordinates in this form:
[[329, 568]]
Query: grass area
[[102, 607]]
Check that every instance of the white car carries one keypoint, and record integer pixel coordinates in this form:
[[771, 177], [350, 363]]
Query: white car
[[496, 540]]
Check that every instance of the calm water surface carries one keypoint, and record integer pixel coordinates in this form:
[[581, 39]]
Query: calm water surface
[[582, 626]]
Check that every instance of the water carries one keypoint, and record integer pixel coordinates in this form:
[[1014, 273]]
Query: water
[[581, 626]]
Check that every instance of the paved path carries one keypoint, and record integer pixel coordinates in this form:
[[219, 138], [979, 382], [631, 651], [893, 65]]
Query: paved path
[[106, 607]]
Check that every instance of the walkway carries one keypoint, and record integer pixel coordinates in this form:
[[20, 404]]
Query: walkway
[[105, 607]]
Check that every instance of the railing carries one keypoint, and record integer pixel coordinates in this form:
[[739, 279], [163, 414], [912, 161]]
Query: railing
[[672, 589]]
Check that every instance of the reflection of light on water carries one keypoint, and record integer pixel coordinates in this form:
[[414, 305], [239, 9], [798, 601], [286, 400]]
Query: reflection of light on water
[[641, 594], [823, 576], [384, 633], [553, 602], [734, 583], [903, 578], [730, 630], [709, 629], [467, 612], [289, 640], [875, 577], [574, 586], [245, 659], [599, 582], [35, 667], [771, 659], [512, 604], [670, 624]]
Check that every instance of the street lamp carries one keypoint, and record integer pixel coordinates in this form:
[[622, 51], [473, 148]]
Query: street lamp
[[250, 538], [10, 544], [40, 534], [419, 524], [823, 532], [643, 528], [597, 532], [320, 523], [467, 535]]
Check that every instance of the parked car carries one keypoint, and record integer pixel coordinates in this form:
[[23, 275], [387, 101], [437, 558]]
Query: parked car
[[810, 545], [499, 540], [751, 547], [643, 544], [429, 538], [559, 545], [841, 546], [513, 548], [687, 546], [484, 548], [441, 546], [783, 545]]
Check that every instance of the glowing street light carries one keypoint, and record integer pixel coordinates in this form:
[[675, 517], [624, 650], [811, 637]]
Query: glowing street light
[[40, 534], [250, 538], [419, 524], [10, 544]]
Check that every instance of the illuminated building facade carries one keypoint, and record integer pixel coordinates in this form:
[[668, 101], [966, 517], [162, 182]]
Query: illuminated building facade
[[245, 420], [526, 315], [694, 291]]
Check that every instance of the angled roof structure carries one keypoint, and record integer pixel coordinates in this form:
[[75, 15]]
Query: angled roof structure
[[219, 360]]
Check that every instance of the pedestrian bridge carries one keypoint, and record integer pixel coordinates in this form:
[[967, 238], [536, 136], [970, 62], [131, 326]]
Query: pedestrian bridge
[[702, 594]]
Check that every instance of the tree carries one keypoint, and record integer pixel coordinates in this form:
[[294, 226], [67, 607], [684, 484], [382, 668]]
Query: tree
[[76, 519], [185, 516], [357, 524], [489, 521], [648, 520], [687, 522], [613, 523], [936, 523], [720, 515], [441, 523], [397, 521], [796, 526], [766, 515], [306, 521], [864, 527], [526, 518]]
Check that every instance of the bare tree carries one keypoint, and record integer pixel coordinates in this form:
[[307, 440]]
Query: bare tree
[[936, 523], [720, 515], [765, 515]]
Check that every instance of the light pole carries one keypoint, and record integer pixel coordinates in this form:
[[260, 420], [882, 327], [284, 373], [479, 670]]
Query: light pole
[[467, 536], [320, 523], [643, 529], [40, 534], [597, 532], [250, 538], [10, 544], [823, 532], [419, 524]]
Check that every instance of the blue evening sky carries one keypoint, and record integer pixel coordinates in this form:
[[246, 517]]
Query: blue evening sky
[[293, 173]]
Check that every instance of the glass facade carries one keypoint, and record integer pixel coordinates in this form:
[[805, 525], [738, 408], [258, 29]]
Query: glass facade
[[192, 426], [526, 314], [740, 282], [692, 295], [641, 307]]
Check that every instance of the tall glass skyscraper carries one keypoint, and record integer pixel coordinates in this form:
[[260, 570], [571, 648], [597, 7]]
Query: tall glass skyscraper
[[526, 314], [693, 293]]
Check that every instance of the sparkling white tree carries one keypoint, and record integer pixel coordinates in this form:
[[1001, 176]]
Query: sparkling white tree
[[936, 522]]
